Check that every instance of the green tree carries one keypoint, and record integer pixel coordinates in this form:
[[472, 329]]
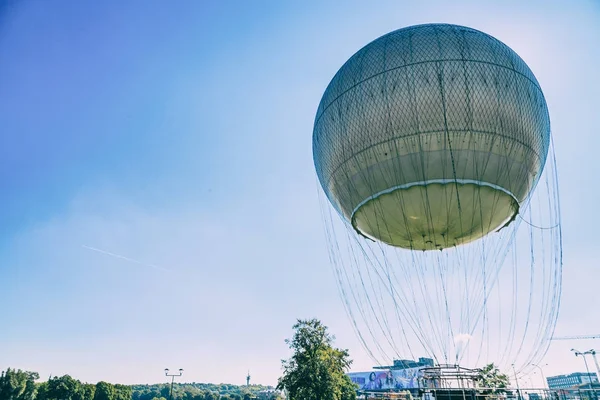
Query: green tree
[[63, 388], [165, 391], [316, 370], [18, 385], [122, 392], [489, 377], [42, 391], [104, 391], [88, 391]]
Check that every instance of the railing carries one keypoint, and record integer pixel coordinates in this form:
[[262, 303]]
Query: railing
[[483, 394]]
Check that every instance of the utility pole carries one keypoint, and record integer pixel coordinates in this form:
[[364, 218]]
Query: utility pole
[[172, 380]]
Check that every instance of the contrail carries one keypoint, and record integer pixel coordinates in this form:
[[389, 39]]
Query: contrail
[[124, 258]]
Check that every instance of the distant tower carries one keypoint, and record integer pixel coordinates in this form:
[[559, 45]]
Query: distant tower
[[248, 379]]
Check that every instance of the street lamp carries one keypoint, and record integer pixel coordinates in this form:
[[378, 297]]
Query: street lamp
[[593, 352], [172, 380], [587, 369], [542, 372], [579, 353]]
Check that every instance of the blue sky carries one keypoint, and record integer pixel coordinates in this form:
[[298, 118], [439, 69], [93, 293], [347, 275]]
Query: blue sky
[[179, 135]]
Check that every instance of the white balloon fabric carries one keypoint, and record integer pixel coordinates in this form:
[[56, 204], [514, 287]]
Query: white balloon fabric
[[431, 137]]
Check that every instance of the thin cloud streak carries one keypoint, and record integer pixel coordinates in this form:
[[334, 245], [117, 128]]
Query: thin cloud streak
[[124, 258]]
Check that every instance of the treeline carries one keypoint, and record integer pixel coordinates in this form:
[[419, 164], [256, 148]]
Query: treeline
[[22, 385], [203, 391]]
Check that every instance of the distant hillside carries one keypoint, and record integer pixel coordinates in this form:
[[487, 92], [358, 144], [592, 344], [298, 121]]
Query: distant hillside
[[203, 391]]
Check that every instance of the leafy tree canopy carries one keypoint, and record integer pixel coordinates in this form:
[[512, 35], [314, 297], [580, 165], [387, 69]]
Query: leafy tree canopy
[[316, 370], [490, 377], [18, 385]]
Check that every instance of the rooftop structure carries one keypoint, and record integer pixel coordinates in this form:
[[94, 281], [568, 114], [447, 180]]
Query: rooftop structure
[[404, 364], [571, 380]]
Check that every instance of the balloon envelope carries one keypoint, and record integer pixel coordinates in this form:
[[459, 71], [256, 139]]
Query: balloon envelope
[[431, 136]]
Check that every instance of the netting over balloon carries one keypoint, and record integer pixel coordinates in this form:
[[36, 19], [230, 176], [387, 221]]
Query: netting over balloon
[[421, 124], [429, 143]]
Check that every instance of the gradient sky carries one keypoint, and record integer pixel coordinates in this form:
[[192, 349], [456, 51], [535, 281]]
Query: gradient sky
[[178, 134]]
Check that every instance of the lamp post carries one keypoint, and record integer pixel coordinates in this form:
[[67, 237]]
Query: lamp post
[[587, 369], [172, 380], [544, 383]]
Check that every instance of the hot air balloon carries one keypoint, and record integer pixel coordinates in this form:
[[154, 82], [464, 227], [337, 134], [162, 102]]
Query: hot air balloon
[[432, 144]]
